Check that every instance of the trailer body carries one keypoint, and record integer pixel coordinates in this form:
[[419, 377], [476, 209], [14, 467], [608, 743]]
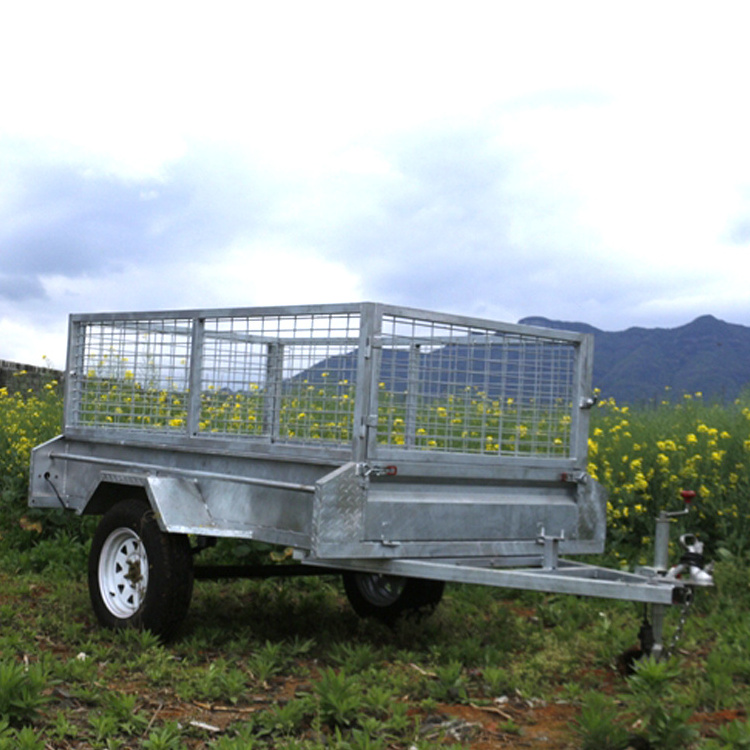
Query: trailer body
[[366, 437]]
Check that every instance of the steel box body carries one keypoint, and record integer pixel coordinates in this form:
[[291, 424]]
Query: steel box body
[[345, 431]]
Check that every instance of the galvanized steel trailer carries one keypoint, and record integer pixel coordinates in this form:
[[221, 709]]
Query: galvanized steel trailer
[[403, 447]]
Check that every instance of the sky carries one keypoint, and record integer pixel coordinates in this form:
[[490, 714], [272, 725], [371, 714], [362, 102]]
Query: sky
[[583, 161]]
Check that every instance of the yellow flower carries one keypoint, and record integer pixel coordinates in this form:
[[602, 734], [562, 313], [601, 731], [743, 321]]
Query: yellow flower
[[666, 445], [640, 482]]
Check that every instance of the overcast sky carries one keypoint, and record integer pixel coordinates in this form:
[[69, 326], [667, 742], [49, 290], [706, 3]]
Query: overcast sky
[[580, 161]]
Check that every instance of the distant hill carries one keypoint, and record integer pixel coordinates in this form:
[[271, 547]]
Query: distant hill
[[639, 364], [634, 366]]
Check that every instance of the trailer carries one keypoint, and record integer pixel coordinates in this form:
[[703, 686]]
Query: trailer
[[399, 447]]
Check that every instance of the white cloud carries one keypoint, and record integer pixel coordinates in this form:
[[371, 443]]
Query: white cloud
[[581, 160]]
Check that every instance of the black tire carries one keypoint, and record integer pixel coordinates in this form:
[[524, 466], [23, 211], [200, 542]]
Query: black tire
[[388, 598], [139, 576]]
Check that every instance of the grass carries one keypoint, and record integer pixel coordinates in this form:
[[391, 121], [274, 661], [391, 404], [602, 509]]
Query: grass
[[324, 678], [262, 664]]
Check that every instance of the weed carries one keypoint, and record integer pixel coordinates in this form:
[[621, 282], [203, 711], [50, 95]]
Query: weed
[[23, 739], [355, 657], [136, 641], [378, 699], [299, 647], [399, 723], [496, 681], [652, 700], [735, 736], [218, 682], [450, 684], [361, 739], [651, 681], [103, 725], [123, 707], [669, 729], [340, 698], [243, 740], [61, 727], [79, 669], [21, 688], [284, 719], [168, 737], [598, 727], [716, 687], [267, 661], [510, 727]]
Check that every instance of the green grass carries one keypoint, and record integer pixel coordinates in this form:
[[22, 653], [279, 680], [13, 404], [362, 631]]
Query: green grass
[[325, 678]]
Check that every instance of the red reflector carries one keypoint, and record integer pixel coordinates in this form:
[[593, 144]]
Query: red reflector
[[391, 471], [688, 495]]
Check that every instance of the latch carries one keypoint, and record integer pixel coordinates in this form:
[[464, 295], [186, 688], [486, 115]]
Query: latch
[[376, 470], [576, 477], [370, 420], [373, 342]]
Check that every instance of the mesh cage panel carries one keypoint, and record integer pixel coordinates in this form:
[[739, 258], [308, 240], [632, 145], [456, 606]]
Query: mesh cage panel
[[133, 374], [464, 389], [285, 377]]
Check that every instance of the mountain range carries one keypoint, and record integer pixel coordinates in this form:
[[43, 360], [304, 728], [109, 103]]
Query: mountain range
[[634, 366], [638, 365]]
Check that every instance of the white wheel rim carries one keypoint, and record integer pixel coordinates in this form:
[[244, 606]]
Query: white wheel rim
[[123, 573]]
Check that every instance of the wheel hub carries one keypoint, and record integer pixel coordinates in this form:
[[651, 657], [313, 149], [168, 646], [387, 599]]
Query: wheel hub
[[381, 590], [123, 572]]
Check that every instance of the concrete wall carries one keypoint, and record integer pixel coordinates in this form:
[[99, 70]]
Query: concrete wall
[[18, 377]]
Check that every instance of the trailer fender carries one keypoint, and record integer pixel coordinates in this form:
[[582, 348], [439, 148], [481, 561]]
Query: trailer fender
[[176, 501]]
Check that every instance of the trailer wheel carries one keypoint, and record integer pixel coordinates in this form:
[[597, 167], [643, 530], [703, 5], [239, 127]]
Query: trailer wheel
[[139, 576], [387, 598]]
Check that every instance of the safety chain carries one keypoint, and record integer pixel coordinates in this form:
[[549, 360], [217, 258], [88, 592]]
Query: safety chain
[[684, 612]]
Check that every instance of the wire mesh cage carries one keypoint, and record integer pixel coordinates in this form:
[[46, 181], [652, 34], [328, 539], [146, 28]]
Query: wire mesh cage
[[417, 381]]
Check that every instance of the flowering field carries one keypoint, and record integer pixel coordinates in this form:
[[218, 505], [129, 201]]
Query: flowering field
[[27, 418], [643, 456]]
